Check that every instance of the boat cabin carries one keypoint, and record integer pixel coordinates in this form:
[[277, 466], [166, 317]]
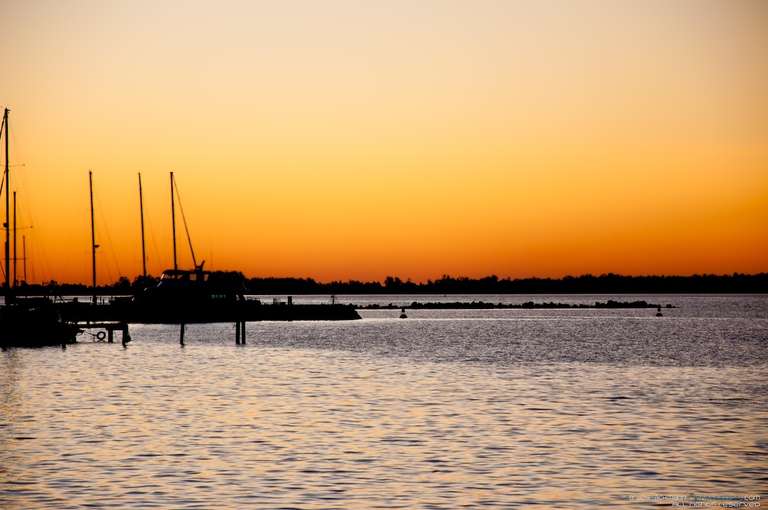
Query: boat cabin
[[193, 286], [171, 276]]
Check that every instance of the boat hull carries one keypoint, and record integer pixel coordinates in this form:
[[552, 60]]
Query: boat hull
[[39, 337], [20, 327]]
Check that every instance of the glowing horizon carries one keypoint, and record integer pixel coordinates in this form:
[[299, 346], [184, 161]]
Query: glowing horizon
[[342, 141]]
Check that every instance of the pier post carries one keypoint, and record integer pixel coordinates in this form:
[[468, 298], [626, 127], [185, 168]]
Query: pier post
[[242, 335], [126, 336], [237, 333], [110, 335], [181, 334]]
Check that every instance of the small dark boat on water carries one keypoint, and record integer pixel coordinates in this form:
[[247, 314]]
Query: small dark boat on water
[[187, 296], [194, 287], [34, 323], [27, 322]]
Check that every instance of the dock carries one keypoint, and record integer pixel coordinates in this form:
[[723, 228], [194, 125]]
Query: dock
[[108, 332], [128, 311]]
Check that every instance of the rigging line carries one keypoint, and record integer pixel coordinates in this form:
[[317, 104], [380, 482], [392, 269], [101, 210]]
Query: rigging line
[[2, 130], [110, 244], [101, 227], [25, 216], [186, 229], [32, 262], [31, 268], [153, 240], [2, 184], [38, 264]]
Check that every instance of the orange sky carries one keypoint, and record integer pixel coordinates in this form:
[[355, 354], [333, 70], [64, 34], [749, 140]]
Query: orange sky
[[353, 140]]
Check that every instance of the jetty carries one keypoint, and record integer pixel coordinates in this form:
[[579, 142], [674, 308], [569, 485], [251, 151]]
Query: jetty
[[128, 310], [482, 305]]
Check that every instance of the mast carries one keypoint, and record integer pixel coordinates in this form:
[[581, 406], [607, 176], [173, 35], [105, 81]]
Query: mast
[[141, 212], [186, 229], [15, 260], [93, 239], [7, 211], [24, 256], [173, 226]]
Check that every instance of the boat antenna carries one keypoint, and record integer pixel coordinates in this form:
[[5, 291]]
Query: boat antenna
[[7, 211], [186, 228], [141, 212], [93, 239], [173, 226]]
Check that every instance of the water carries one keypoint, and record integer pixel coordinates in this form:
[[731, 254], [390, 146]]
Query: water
[[448, 409]]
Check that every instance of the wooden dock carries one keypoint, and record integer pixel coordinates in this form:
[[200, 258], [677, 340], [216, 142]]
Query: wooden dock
[[108, 333]]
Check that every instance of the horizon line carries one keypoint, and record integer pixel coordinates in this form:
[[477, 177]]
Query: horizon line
[[401, 281]]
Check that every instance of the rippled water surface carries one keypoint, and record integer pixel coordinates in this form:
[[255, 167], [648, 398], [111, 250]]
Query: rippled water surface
[[447, 409]]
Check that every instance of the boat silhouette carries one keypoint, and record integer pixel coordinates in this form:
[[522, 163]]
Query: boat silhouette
[[184, 296], [34, 322], [27, 322]]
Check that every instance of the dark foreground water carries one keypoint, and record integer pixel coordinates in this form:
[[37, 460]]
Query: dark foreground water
[[447, 409]]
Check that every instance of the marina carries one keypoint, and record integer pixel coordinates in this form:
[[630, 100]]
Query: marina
[[180, 297]]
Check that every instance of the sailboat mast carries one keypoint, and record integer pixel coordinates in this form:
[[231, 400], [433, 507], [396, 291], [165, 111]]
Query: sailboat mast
[[15, 260], [24, 256], [141, 211], [7, 211], [173, 226], [93, 238]]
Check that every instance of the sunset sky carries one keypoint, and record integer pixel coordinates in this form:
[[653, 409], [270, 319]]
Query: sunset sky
[[354, 140]]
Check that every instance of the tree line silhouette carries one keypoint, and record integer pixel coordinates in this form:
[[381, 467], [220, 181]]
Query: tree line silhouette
[[585, 284]]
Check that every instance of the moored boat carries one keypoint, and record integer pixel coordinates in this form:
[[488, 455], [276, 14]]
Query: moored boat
[[34, 323]]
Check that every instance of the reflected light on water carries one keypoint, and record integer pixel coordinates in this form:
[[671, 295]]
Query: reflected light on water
[[387, 413]]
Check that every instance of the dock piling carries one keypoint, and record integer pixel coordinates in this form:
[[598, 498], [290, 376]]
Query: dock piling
[[237, 333], [242, 334], [126, 337], [181, 334]]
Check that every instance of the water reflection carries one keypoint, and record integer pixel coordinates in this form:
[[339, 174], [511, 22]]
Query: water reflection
[[10, 400], [388, 413]]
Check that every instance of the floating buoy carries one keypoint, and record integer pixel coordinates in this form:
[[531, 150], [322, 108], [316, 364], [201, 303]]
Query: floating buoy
[[402, 314], [658, 312]]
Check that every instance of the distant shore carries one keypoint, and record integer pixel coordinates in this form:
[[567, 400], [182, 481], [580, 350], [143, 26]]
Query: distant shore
[[482, 305], [736, 283]]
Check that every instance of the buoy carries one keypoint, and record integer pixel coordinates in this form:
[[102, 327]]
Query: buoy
[[402, 314], [100, 336], [658, 312]]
